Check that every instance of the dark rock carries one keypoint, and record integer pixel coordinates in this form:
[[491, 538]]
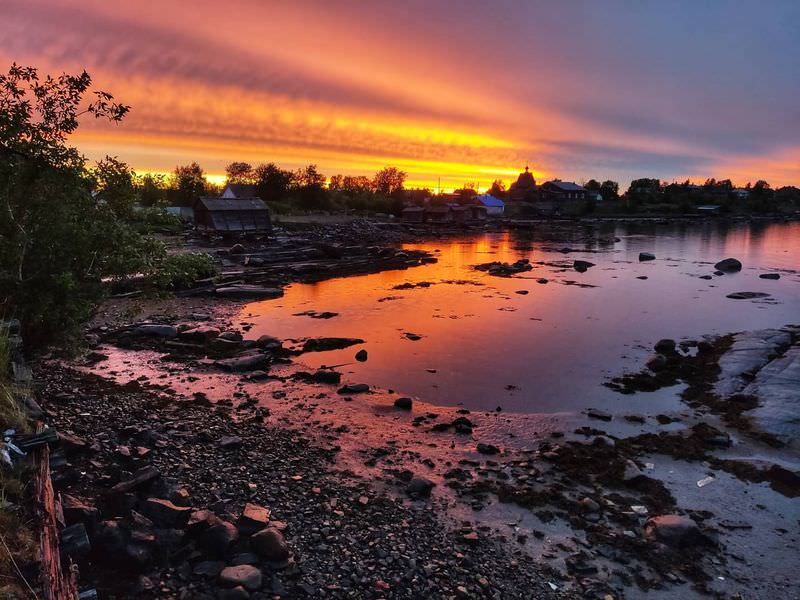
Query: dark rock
[[156, 331], [665, 346], [246, 576], [747, 295], [71, 444], [75, 541], [325, 344], [595, 413], [404, 403], [674, 530], [247, 362], [268, 342], [361, 355], [728, 265], [581, 266], [770, 276], [270, 544], [462, 425], [230, 442], [590, 506], [255, 292], [208, 568], [109, 538], [657, 362], [140, 479], [253, 518], [219, 537], [237, 593], [165, 513], [419, 487], [245, 558], [76, 511], [631, 472], [326, 376], [643, 256], [487, 448], [199, 335], [353, 388]]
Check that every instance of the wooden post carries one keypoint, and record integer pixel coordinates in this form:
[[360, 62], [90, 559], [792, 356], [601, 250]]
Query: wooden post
[[56, 584]]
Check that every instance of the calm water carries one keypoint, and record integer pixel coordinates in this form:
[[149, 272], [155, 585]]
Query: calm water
[[549, 350]]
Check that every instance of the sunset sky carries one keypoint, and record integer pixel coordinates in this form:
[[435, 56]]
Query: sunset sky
[[465, 91]]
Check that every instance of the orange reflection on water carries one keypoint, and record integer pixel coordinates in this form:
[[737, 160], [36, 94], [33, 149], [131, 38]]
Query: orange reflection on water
[[550, 348]]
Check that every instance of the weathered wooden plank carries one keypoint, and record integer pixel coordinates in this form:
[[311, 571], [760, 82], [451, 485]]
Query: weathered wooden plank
[[56, 583]]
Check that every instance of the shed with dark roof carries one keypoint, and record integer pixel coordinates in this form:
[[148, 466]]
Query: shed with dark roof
[[239, 190], [232, 215]]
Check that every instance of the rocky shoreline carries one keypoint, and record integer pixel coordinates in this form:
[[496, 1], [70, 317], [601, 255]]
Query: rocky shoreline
[[201, 427], [164, 488]]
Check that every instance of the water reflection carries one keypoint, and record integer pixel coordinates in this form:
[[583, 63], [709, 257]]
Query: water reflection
[[484, 344]]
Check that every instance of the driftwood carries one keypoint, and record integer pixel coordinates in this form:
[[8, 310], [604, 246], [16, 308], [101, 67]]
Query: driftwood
[[56, 584]]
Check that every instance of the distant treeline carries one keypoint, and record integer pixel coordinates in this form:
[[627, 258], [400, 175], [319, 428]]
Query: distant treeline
[[303, 189]]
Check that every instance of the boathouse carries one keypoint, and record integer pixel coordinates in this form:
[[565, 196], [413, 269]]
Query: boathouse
[[232, 215]]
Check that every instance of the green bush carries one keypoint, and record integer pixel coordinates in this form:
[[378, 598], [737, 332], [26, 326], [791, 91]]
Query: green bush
[[180, 271]]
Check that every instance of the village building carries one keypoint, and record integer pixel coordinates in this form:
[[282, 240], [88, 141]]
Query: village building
[[232, 215], [239, 190], [494, 206], [562, 190], [524, 188], [414, 214]]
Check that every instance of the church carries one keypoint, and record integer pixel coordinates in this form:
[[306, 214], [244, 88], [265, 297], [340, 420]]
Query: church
[[524, 188]]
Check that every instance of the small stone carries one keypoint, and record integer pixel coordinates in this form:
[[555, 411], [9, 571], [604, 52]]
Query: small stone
[[631, 472], [403, 403], [361, 355], [644, 256], [419, 487], [673, 530], [770, 276], [595, 413], [581, 266], [487, 448], [353, 388]]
